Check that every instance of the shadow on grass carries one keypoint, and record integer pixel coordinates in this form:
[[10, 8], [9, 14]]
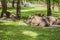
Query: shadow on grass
[[15, 32], [10, 32]]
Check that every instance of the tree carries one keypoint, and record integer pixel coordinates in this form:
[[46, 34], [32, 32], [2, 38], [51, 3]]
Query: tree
[[4, 7], [13, 3], [58, 3], [53, 4], [48, 8], [18, 13]]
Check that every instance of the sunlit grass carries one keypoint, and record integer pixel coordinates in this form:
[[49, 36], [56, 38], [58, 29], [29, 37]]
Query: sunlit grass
[[33, 9], [30, 33], [5, 22], [9, 33], [22, 23], [1, 31]]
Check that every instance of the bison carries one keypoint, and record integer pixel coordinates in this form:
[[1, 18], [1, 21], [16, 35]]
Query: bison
[[38, 20], [41, 20], [12, 16], [52, 20]]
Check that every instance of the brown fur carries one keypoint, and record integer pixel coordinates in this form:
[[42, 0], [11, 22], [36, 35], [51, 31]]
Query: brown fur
[[52, 20], [38, 20], [41, 20], [57, 22], [9, 15], [12, 16]]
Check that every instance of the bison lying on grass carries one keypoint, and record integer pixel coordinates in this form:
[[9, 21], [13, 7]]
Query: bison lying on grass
[[41, 20], [8, 15]]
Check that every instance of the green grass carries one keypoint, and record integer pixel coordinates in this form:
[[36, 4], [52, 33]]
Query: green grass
[[11, 30], [19, 30]]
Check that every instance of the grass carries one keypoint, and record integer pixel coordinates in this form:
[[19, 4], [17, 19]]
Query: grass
[[19, 30]]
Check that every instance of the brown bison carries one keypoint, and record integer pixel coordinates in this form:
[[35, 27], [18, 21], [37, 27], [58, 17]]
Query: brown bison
[[12, 16], [41, 20], [52, 20], [38, 20], [9, 15], [57, 22]]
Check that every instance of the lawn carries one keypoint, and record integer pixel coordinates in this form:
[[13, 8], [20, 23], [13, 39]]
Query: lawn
[[19, 30]]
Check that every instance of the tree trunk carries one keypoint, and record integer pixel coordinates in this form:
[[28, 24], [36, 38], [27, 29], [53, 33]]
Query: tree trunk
[[4, 7], [48, 8], [13, 3], [18, 14], [53, 7], [58, 6]]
